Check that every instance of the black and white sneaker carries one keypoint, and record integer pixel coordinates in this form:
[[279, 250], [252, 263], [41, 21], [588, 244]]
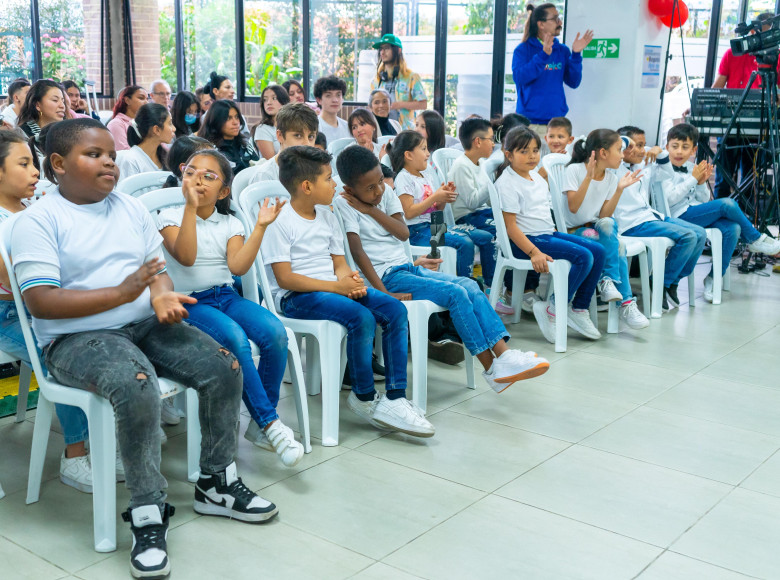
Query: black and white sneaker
[[149, 526], [224, 494], [671, 295]]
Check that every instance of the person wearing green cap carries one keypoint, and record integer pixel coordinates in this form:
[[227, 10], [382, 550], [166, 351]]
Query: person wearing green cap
[[407, 93]]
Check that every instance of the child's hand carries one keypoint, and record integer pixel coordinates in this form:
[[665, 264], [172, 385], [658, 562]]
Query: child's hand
[[134, 285], [169, 308], [699, 172], [268, 213], [383, 150], [355, 203], [428, 263], [446, 194], [653, 154], [402, 296], [190, 193], [539, 261], [590, 166], [707, 173], [629, 179], [350, 284]]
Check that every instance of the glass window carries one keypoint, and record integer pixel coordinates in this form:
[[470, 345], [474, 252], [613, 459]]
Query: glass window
[[167, 25], [273, 35], [342, 32], [209, 40], [62, 39], [414, 22], [729, 18], [16, 47], [756, 7]]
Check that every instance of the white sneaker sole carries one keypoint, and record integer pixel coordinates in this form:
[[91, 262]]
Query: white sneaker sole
[[82, 487], [210, 509], [592, 334], [151, 574], [506, 382]]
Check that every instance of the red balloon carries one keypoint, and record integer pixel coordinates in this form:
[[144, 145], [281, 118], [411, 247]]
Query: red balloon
[[680, 16], [660, 7]]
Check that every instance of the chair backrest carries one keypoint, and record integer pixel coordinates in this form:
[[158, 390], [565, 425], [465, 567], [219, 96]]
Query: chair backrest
[[490, 165], [140, 183], [449, 141], [443, 159], [658, 199], [385, 139], [337, 147], [555, 166], [242, 178], [502, 237]]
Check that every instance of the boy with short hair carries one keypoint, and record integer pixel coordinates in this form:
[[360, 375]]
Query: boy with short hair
[[689, 199], [329, 92], [559, 135], [17, 92], [310, 279], [321, 141], [296, 124], [376, 231]]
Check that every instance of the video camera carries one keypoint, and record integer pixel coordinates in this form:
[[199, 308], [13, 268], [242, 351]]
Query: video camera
[[761, 42], [438, 229]]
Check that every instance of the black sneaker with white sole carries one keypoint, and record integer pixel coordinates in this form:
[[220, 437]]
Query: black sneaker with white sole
[[149, 526], [224, 494], [671, 295]]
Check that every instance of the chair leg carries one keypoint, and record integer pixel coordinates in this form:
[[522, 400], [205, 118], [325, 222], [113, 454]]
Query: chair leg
[[613, 318], [717, 274], [518, 284], [25, 376], [330, 364], [299, 390], [313, 375], [470, 375], [193, 436], [644, 274], [659, 268], [727, 280], [594, 311], [102, 440], [2, 493], [40, 442], [560, 280], [498, 281], [418, 335]]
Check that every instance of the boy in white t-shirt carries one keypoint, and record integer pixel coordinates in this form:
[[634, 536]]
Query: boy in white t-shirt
[[17, 92], [376, 231], [88, 261], [311, 280], [329, 92]]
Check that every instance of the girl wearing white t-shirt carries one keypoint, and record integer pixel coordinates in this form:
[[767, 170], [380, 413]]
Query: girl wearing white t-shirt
[[274, 97], [146, 134], [208, 248], [363, 127], [526, 210], [592, 193]]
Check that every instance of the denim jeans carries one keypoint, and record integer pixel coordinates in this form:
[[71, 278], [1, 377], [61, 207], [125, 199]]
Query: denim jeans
[[587, 262], [233, 321], [688, 244], [122, 365], [72, 419], [605, 232], [420, 235], [484, 237], [360, 318], [725, 215], [477, 323]]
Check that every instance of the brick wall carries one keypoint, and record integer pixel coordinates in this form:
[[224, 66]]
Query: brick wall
[[146, 41], [92, 27]]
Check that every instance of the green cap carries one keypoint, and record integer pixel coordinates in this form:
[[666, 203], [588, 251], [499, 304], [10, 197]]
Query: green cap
[[390, 39]]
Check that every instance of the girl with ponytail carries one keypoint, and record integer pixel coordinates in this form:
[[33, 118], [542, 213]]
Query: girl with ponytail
[[592, 193], [151, 128]]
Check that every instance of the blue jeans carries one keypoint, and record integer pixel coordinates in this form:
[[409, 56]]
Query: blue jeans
[[233, 321], [484, 237], [688, 241], [420, 235], [477, 323], [360, 318], [615, 263], [725, 215], [72, 419], [587, 261]]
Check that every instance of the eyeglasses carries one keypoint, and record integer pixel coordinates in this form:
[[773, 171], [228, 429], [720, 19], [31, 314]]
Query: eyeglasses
[[208, 176], [558, 17], [162, 94]]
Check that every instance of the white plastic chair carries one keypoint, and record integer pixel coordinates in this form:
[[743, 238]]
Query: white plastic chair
[[336, 147], [242, 178], [140, 183], [326, 353], [450, 141], [25, 377], [163, 198], [100, 420], [385, 139], [490, 165]]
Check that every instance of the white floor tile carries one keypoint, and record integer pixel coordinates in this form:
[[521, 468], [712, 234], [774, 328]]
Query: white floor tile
[[671, 566], [21, 564], [380, 571]]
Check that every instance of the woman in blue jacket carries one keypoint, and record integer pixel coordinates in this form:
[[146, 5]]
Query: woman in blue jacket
[[541, 65]]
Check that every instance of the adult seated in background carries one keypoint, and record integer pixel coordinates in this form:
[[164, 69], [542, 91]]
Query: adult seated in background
[[17, 92], [204, 99], [734, 73], [379, 101], [219, 87], [298, 95], [160, 93], [76, 101], [405, 88], [273, 98], [186, 113], [44, 104], [128, 102], [363, 127], [222, 126], [329, 92], [541, 65]]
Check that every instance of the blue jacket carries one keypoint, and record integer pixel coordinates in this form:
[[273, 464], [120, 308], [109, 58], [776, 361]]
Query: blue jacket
[[539, 79]]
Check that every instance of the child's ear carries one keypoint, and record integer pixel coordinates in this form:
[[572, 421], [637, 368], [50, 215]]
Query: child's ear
[[56, 161], [306, 187], [224, 192], [571, 140], [279, 136], [348, 190], [546, 139]]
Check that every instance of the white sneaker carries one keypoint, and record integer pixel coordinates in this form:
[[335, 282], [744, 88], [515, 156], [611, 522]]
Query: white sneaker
[[76, 472], [512, 366], [545, 320], [363, 409], [632, 316], [581, 322], [256, 435], [283, 440], [708, 289], [504, 305], [169, 414], [529, 299], [608, 291], [765, 245], [402, 415]]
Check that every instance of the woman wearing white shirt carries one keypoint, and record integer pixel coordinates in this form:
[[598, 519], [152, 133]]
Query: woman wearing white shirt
[[151, 128]]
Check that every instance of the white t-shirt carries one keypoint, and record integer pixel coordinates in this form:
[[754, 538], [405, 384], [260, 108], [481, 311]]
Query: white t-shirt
[[85, 247], [598, 193], [133, 161], [210, 268], [471, 183], [382, 248], [529, 200], [9, 116], [419, 188], [332, 133], [267, 133], [4, 215], [306, 244], [634, 205], [268, 171]]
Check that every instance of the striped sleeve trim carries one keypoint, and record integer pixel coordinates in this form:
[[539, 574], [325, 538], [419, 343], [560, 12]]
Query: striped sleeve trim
[[40, 281]]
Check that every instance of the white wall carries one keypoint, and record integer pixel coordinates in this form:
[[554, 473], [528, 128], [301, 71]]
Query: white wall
[[610, 94]]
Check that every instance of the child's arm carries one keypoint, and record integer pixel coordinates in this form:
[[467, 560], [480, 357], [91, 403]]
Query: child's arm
[[677, 192], [182, 242], [538, 258], [444, 195], [365, 265], [394, 225], [167, 304], [468, 188], [241, 254], [627, 180], [346, 285], [575, 198]]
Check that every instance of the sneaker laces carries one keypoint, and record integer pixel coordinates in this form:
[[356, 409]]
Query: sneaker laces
[[149, 537], [240, 491]]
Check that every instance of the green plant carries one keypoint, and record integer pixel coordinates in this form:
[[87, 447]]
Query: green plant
[[264, 61]]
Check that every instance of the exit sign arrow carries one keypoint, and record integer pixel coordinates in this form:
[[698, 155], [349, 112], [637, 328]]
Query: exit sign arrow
[[602, 48]]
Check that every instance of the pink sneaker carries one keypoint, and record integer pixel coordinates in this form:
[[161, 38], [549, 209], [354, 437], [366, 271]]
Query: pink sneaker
[[504, 305]]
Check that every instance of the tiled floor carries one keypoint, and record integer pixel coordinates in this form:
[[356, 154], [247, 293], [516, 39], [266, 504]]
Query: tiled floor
[[650, 454]]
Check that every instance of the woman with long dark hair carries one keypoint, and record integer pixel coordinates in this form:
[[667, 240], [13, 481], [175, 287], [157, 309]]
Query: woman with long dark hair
[[128, 102], [273, 98], [222, 126], [186, 113], [44, 105]]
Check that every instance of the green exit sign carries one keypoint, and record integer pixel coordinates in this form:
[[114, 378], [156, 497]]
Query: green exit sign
[[602, 48]]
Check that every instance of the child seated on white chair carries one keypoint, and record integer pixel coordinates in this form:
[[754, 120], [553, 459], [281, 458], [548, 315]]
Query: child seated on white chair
[[526, 211], [310, 279], [373, 218], [89, 263]]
